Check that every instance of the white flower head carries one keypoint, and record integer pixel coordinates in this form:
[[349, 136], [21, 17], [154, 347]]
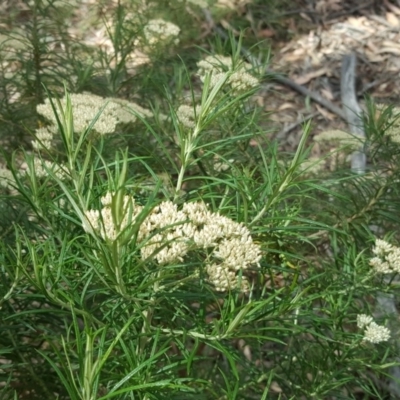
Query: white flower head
[[173, 233], [167, 234], [44, 138], [187, 115], [380, 266], [240, 79], [382, 247], [160, 32], [363, 320], [387, 258], [342, 138], [375, 333], [6, 178], [238, 253], [393, 258], [224, 279], [86, 108], [104, 222], [42, 168], [214, 64]]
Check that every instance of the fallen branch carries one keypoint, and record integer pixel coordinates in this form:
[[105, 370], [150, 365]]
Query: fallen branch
[[352, 109]]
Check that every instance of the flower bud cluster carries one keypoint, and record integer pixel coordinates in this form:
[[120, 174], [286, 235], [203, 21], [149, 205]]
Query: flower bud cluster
[[240, 79], [44, 138], [42, 168], [158, 32], [6, 178], [167, 234], [387, 257], [341, 138], [85, 108], [373, 332], [187, 115], [105, 221]]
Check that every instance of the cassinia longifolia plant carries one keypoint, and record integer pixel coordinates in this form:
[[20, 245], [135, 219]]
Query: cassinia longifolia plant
[[157, 244]]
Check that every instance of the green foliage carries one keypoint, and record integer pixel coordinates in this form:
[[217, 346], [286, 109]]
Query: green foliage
[[86, 315]]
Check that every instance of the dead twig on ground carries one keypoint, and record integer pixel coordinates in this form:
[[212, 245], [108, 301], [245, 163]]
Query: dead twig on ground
[[352, 110]]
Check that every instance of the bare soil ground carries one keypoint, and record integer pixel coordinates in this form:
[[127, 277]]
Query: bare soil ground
[[308, 47]]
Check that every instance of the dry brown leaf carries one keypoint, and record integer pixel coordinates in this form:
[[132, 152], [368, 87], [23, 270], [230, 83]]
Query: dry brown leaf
[[275, 387], [286, 106], [327, 93], [391, 50], [266, 33], [374, 57], [391, 7], [286, 48], [274, 117], [311, 75], [329, 116], [385, 90], [292, 25], [357, 22], [371, 46], [392, 19], [253, 143], [393, 65], [328, 5], [305, 16], [245, 348], [388, 43], [260, 100], [294, 57]]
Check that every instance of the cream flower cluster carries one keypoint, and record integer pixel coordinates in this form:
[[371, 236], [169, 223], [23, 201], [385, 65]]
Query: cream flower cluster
[[42, 167], [104, 221], [44, 138], [239, 79], [221, 165], [159, 32], [337, 146], [167, 234], [187, 115], [85, 108], [387, 257], [6, 178], [312, 166], [342, 138], [373, 332]]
